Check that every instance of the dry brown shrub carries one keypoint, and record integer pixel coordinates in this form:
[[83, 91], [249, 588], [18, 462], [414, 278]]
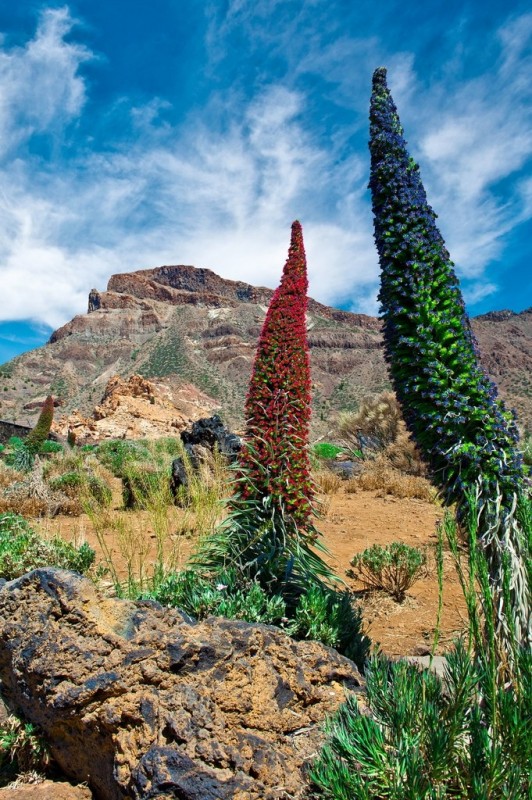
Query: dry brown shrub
[[403, 454], [384, 479], [9, 476], [327, 481], [27, 506], [378, 430], [374, 426], [351, 485], [31, 496]]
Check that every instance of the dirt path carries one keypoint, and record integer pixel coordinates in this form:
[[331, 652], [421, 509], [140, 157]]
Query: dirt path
[[352, 523]]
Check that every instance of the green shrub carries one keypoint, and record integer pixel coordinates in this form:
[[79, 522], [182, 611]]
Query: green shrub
[[22, 550], [330, 616], [428, 739], [2, 448], [68, 482], [72, 483], [50, 446], [326, 450], [118, 454], [320, 614], [393, 568]]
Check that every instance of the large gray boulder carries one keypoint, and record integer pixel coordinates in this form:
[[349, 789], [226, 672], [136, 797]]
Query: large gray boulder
[[141, 703]]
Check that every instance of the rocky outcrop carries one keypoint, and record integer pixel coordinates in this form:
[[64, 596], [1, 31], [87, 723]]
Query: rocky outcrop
[[206, 435], [141, 702], [133, 409]]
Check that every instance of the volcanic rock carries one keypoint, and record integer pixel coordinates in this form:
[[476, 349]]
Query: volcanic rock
[[140, 702], [47, 790]]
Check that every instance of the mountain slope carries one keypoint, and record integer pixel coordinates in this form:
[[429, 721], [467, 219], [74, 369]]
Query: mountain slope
[[180, 325]]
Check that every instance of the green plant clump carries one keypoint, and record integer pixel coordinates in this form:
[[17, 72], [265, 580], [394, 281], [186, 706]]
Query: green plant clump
[[22, 550], [22, 749], [428, 739], [320, 614], [326, 450], [72, 482], [50, 446], [393, 568]]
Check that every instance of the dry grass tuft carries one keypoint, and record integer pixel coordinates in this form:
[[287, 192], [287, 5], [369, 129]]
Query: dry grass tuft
[[327, 481], [386, 480], [378, 429]]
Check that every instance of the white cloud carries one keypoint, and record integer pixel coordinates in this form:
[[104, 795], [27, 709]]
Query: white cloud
[[40, 90], [472, 138], [222, 191]]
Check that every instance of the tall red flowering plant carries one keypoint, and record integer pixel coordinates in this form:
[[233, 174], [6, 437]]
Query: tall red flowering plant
[[275, 457]]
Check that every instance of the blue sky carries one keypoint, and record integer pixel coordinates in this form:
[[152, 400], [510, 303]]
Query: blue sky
[[134, 135]]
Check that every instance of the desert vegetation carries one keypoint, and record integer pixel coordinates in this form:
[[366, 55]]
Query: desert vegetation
[[253, 530]]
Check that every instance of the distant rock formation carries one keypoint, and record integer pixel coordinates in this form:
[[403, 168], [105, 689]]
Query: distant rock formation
[[133, 409], [179, 326]]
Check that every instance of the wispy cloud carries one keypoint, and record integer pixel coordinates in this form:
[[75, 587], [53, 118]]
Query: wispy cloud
[[221, 189], [40, 89]]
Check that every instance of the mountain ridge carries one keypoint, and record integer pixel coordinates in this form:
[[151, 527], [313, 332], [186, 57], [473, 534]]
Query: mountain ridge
[[182, 325]]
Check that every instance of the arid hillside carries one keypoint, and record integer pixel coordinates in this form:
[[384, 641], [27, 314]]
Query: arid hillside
[[187, 329]]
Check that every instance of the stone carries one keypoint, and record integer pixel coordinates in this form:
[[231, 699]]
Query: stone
[[206, 436], [47, 790], [141, 702]]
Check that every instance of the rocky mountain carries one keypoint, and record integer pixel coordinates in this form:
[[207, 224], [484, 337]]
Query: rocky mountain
[[193, 335]]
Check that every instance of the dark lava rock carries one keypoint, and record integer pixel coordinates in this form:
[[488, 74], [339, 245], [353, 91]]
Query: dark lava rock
[[140, 703]]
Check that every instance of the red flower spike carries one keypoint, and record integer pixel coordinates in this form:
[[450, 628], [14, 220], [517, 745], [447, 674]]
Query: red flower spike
[[278, 401]]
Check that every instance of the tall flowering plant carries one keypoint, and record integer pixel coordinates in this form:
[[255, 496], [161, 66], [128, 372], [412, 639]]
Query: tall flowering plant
[[449, 404], [276, 458], [36, 437]]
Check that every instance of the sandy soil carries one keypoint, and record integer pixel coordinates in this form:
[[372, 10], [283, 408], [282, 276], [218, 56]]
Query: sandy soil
[[351, 523]]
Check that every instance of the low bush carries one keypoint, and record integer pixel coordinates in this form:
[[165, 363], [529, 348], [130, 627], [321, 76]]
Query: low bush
[[393, 568], [22, 550], [427, 739], [319, 614], [118, 454], [72, 484], [326, 450], [385, 480], [327, 481], [50, 446]]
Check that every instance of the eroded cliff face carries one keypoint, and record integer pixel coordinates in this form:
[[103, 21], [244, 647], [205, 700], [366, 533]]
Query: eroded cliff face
[[180, 326]]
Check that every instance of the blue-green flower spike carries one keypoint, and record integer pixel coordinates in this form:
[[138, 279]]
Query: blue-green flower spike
[[450, 406]]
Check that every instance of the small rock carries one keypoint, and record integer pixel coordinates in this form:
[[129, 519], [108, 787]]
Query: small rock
[[47, 790]]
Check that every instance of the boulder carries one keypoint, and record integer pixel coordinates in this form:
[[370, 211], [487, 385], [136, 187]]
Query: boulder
[[47, 790], [205, 436], [141, 702]]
